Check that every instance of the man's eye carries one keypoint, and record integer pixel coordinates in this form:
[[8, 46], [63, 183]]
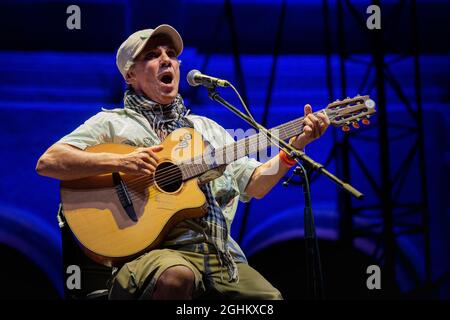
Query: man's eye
[[151, 55], [171, 54]]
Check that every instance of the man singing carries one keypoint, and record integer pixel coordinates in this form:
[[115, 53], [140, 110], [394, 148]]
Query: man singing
[[198, 257]]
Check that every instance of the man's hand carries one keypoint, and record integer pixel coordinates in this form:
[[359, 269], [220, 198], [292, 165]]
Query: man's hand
[[141, 161], [315, 126], [264, 178]]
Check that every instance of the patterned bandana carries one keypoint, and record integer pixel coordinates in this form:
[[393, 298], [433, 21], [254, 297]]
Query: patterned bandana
[[164, 119]]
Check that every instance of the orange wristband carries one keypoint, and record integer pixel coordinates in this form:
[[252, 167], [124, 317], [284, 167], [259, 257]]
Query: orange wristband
[[286, 159]]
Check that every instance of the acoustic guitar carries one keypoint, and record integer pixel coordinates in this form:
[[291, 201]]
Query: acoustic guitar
[[116, 217]]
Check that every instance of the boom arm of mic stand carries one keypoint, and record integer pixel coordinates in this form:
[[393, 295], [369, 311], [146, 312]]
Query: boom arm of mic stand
[[286, 147]]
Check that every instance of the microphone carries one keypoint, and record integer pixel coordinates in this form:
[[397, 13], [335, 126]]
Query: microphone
[[195, 78]]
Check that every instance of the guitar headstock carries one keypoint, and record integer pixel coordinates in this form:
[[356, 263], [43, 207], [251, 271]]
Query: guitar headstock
[[349, 111]]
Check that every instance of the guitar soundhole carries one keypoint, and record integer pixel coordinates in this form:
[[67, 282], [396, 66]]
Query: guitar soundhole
[[168, 177]]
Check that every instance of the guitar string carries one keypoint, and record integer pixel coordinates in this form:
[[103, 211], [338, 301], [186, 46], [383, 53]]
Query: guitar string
[[170, 179], [290, 129], [239, 148], [148, 183], [168, 173], [133, 195], [162, 183], [289, 126]]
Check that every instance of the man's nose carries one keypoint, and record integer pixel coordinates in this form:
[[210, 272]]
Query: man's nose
[[165, 58]]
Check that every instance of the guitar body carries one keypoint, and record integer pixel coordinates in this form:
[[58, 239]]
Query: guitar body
[[96, 215]]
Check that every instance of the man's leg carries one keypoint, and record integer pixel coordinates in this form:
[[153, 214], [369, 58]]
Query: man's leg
[[251, 286], [176, 282], [158, 274]]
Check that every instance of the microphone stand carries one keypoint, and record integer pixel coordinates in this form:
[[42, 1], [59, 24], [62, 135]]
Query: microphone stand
[[314, 276], [313, 264]]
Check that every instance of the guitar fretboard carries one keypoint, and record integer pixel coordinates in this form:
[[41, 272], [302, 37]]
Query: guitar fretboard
[[225, 155]]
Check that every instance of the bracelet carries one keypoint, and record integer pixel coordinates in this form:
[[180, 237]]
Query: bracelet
[[286, 159]]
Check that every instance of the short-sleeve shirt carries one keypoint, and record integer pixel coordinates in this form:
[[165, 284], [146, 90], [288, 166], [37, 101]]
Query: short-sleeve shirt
[[125, 126]]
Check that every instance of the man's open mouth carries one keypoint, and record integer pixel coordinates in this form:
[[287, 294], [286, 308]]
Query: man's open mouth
[[166, 79]]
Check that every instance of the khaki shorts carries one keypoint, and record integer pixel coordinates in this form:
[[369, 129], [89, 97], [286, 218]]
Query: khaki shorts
[[137, 279]]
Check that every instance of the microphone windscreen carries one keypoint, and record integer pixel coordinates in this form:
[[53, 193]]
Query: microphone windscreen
[[191, 77]]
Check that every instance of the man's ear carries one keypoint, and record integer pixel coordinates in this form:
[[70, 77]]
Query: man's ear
[[130, 77]]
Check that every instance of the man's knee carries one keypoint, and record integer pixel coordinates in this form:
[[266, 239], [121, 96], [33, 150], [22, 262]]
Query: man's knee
[[177, 278]]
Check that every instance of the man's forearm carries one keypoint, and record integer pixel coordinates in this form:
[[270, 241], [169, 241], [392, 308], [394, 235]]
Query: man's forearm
[[64, 162], [266, 176]]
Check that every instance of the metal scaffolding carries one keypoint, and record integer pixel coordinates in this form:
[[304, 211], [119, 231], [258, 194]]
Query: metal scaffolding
[[385, 219]]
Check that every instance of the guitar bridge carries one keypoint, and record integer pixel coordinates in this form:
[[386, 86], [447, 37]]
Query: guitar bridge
[[124, 196]]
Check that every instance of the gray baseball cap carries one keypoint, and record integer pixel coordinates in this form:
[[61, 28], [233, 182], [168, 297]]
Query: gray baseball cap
[[131, 47]]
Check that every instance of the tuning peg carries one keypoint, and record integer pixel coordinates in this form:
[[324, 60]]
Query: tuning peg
[[355, 124], [346, 128], [365, 121]]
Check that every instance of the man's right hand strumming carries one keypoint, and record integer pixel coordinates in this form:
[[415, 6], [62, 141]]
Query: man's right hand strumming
[[141, 161]]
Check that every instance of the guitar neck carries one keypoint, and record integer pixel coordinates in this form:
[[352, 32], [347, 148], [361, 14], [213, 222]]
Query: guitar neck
[[225, 155]]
